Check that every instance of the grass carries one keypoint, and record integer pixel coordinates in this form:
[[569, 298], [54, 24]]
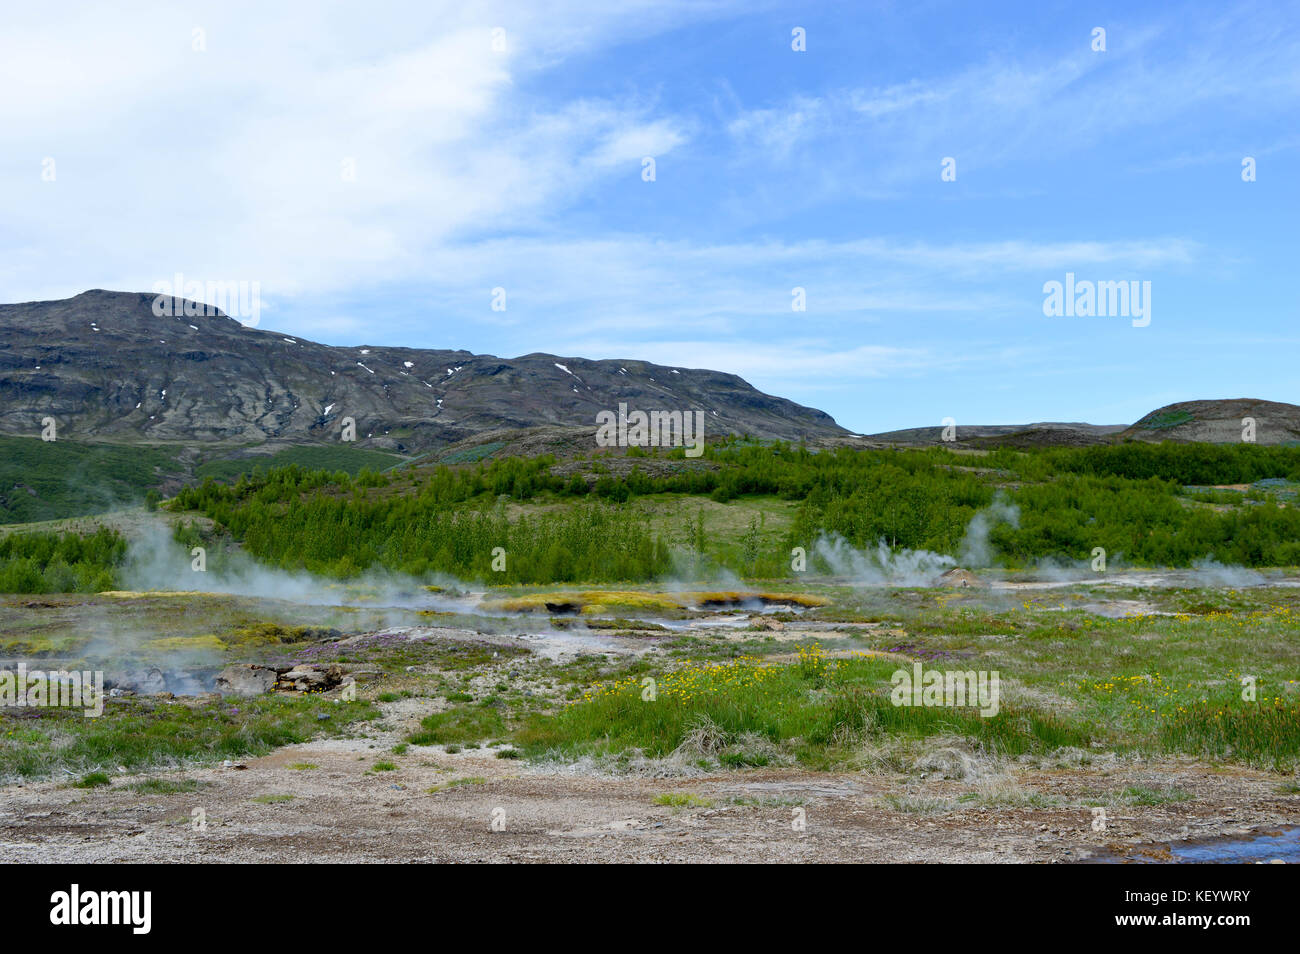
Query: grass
[[62, 478], [1166, 420], [456, 783], [141, 733], [1150, 685], [744, 712], [461, 724], [67, 478], [250, 629], [272, 799], [605, 601], [1249, 732], [682, 800], [1140, 795], [472, 454], [93, 780], [326, 457]]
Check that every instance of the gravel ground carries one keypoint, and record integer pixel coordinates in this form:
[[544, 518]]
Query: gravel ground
[[343, 811]]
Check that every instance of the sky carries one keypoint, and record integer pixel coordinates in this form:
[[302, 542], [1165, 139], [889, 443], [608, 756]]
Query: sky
[[920, 170]]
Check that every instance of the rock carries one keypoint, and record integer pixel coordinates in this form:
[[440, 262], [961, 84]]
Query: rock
[[766, 622], [306, 677], [144, 682], [960, 578], [246, 680]]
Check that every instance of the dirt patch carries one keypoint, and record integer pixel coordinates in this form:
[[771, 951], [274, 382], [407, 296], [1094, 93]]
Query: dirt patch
[[327, 802]]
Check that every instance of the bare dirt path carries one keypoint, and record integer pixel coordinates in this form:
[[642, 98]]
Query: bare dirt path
[[342, 810]]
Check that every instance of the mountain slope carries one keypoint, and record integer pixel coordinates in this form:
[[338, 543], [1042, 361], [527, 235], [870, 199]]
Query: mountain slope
[[1048, 433], [107, 368], [1219, 422]]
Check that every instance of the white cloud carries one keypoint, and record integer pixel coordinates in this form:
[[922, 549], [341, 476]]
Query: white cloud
[[229, 163]]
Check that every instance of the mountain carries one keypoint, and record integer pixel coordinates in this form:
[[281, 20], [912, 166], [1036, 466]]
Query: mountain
[[1209, 421], [1219, 422], [107, 368], [1041, 434]]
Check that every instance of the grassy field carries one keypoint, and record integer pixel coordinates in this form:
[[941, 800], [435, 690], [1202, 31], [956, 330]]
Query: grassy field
[[49, 480], [1146, 685], [635, 567], [53, 480], [143, 733], [1076, 686], [342, 458]]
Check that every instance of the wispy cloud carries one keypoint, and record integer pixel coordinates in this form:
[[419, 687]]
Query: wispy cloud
[[379, 173]]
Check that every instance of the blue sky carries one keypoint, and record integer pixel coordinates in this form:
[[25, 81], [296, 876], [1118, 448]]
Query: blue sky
[[219, 154]]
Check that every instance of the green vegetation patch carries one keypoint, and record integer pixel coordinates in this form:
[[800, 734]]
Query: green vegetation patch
[[743, 712], [50, 480], [461, 724], [347, 460], [142, 733], [49, 562]]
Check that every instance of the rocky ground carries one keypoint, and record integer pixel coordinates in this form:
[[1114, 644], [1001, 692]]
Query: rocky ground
[[342, 811], [326, 801]]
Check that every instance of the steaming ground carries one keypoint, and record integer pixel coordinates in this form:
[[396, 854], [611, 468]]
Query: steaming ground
[[325, 802], [328, 799]]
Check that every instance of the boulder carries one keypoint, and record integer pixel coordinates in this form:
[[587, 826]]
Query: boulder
[[245, 679], [959, 577], [309, 678]]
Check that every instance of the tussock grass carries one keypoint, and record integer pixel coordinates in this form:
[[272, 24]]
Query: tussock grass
[[1141, 795], [140, 733], [742, 712], [93, 780], [461, 724], [682, 800], [1259, 734]]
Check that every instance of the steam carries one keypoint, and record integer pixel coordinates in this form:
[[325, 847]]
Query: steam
[[155, 561], [976, 550], [1210, 572], [881, 566], [884, 566]]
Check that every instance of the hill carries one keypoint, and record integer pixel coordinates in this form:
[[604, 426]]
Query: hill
[[106, 368], [1219, 422]]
